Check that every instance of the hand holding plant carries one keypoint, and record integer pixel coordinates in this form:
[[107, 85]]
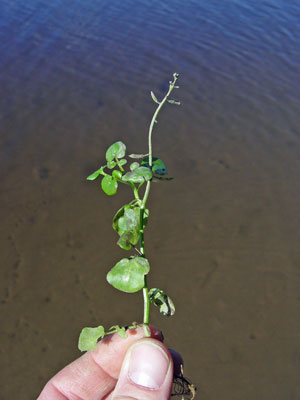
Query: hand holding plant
[[133, 359], [136, 367]]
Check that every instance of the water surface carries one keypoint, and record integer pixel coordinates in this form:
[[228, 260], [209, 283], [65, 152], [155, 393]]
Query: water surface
[[223, 238]]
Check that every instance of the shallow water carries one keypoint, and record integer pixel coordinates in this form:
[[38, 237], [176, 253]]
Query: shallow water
[[223, 238]]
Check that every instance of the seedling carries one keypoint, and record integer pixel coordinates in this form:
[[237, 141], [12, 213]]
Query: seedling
[[130, 274]]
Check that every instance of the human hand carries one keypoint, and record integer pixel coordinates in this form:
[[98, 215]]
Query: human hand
[[133, 368]]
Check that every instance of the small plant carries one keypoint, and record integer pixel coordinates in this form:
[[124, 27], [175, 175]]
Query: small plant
[[130, 274]]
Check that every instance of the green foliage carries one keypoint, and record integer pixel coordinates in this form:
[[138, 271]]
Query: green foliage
[[177, 103], [89, 338], [121, 330], [126, 223], [111, 164], [154, 97], [134, 166], [126, 241], [137, 155], [117, 174], [129, 221], [138, 175], [128, 274], [161, 300], [109, 185], [95, 174], [115, 151], [158, 166]]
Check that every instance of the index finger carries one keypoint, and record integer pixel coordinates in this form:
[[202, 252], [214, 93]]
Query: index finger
[[94, 375]]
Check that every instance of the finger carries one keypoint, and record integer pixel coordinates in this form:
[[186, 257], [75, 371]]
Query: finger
[[177, 365], [94, 375], [177, 361], [147, 372]]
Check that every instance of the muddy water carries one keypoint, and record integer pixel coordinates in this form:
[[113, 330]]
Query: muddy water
[[223, 238]]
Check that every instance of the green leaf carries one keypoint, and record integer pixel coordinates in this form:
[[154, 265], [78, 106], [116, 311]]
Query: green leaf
[[89, 337], [125, 211], [122, 333], [130, 219], [125, 241], [126, 223], [117, 174], [154, 98], [137, 155], [134, 166], [116, 150], [123, 161], [161, 300], [158, 166], [109, 185], [139, 175], [118, 215], [177, 103], [95, 174], [126, 238], [128, 274], [111, 164], [120, 329]]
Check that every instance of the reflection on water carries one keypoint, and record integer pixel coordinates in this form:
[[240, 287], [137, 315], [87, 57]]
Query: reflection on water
[[75, 76]]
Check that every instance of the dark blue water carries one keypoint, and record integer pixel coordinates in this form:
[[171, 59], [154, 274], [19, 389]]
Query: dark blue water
[[74, 77], [230, 54]]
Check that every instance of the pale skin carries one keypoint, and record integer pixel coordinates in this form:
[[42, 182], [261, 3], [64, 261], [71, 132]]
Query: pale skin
[[133, 368]]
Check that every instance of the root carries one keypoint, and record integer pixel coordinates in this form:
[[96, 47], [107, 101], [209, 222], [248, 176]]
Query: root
[[183, 387]]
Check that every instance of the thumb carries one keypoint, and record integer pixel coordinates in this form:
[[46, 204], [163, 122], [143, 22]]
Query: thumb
[[146, 373]]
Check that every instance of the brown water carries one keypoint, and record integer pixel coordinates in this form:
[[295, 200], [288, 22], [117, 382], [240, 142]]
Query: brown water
[[223, 237]]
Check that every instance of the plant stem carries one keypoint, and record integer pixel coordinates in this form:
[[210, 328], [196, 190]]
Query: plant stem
[[145, 288], [146, 195], [119, 165], [135, 192], [141, 230], [146, 302]]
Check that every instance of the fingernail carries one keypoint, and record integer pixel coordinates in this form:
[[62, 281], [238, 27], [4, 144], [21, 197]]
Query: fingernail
[[148, 365]]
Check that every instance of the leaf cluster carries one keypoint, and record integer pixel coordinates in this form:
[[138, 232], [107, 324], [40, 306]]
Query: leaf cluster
[[138, 174]]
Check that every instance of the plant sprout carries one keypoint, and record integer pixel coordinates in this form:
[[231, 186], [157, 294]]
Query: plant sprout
[[130, 274]]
